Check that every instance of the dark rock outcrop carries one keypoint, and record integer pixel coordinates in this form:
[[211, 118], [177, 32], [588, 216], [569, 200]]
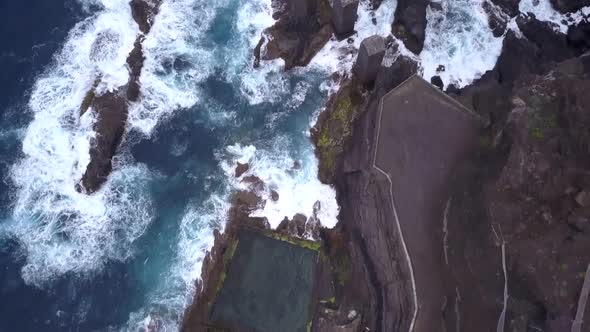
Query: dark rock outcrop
[[539, 153], [497, 17], [110, 126], [578, 37], [344, 15], [409, 24], [524, 179], [369, 59], [437, 81], [241, 169], [523, 187], [112, 107], [551, 45], [144, 12], [295, 38], [509, 7], [568, 6]]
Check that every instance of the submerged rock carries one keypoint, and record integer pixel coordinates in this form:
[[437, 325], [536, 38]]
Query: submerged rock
[[144, 13]]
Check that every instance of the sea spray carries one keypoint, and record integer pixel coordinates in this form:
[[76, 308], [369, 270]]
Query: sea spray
[[458, 39], [59, 229]]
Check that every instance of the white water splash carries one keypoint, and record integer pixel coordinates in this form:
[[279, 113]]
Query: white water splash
[[59, 229], [544, 11], [298, 188], [339, 56], [458, 37]]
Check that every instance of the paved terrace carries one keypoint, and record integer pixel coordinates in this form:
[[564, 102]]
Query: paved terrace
[[421, 135]]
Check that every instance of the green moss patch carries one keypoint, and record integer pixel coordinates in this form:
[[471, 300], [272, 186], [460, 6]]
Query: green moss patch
[[312, 245], [335, 127]]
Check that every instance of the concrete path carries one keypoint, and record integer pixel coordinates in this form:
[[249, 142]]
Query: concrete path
[[421, 135]]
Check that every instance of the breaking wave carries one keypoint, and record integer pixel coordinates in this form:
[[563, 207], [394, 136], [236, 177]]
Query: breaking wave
[[59, 229], [459, 39]]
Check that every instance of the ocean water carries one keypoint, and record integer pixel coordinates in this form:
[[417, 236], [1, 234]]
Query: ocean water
[[129, 255]]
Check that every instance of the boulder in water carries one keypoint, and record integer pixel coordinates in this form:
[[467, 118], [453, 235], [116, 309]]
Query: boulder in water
[[241, 169]]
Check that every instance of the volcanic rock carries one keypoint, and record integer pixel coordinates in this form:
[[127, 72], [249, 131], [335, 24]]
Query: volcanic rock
[[583, 198], [344, 15], [409, 24], [551, 44], [437, 81], [295, 38], [509, 7], [369, 58], [578, 36], [112, 107], [241, 169], [497, 18], [293, 227], [569, 6], [274, 195], [144, 12]]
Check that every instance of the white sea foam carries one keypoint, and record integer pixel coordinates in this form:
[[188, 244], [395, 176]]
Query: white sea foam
[[339, 56], [458, 37], [298, 189], [267, 83], [544, 11], [59, 229], [167, 302], [177, 59]]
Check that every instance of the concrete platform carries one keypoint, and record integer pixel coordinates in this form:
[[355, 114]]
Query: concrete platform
[[422, 134], [269, 286]]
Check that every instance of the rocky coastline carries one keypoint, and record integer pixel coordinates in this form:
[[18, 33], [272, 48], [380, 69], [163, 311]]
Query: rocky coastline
[[517, 207], [302, 28], [524, 187], [111, 107]]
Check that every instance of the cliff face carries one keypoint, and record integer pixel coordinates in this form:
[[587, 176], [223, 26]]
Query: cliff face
[[524, 187], [371, 237]]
